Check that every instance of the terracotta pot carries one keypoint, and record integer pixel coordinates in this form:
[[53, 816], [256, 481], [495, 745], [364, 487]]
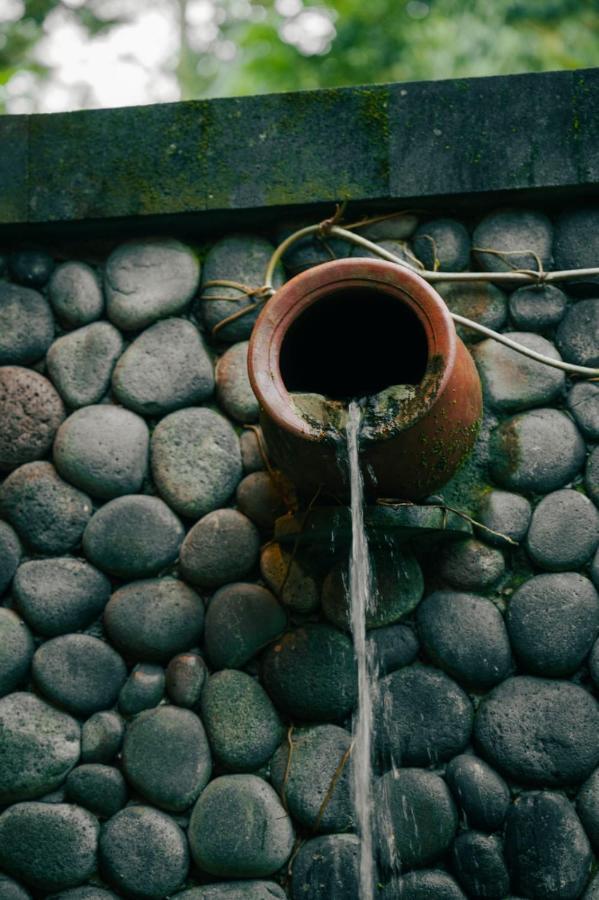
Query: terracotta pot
[[351, 328]]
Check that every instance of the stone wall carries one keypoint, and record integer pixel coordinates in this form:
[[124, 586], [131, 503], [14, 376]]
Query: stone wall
[[177, 687]]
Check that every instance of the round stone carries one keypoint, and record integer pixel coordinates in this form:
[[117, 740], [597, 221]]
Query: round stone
[[31, 265], [519, 239], [261, 499], [101, 737], [80, 363], [239, 829], [425, 884], [144, 689], [75, 293], [79, 672], [479, 864], [471, 565], [442, 245], [16, 651], [478, 301], [536, 452], [243, 726], [149, 279], [221, 548], [327, 866], [392, 647], [186, 675], [421, 717], [587, 807], [311, 773], [511, 381], [310, 673], [143, 852], [251, 457], [103, 450], [538, 731], [10, 555], [506, 514], [11, 890], [577, 333], [466, 636], [583, 403], [241, 619], [291, 576], [242, 258], [592, 891], [30, 413], [591, 476], [400, 249], [87, 892], [593, 663], [564, 531], [56, 596], [552, 622], [235, 890], [49, 514], [49, 846], [421, 819], [482, 795], [233, 389], [165, 368], [101, 789], [196, 461], [154, 535], [166, 757], [576, 244], [547, 851], [594, 570], [154, 619], [26, 325], [537, 307], [398, 588]]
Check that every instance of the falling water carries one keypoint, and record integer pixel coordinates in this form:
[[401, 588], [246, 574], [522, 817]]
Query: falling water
[[360, 587]]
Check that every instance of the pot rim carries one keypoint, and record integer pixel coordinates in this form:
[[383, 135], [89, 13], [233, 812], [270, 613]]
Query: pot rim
[[292, 299]]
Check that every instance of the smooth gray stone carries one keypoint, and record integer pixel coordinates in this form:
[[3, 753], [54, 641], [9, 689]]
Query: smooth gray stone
[[537, 307], [221, 548], [398, 226], [154, 535], [424, 884], [103, 450], [49, 846], [99, 788], [233, 389], [591, 476], [313, 250], [399, 249], [393, 647], [479, 864], [316, 765], [587, 807], [479, 791], [592, 891], [16, 651], [144, 689], [239, 829], [524, 236], [10, 555], [478, 301], [235, 890], [165, 368], [251, 457], [30, 411], [442, 245], [577, 334], [87, 892], [80, 363], [75, 293], [11, 890], [260, 499], [56, 596], [48, 514], [31, 266], [471, 565], [576, 244], [512, 382], [564, 531], [292, 577], [149, 279], [505, 513], [327, 866], [154, 619], [26, 325], [583, 403], [241, 619], [539, 732], [196, 461], [143, 852], [166, 757], [101, 737], [186, 675], [78, 672]]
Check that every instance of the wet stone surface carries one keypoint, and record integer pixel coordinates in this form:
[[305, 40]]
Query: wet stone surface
[[241, 620], [327, 866], [16, 651], [221, 548], [144, 689], [471, 565], [481, 794]]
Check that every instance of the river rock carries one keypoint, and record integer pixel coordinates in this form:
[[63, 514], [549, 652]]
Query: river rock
[[537, 307], [505, 513], [241, 620], [80, 363], [235, 890], [86, 892], [327, 866], [479, 864], [165, 368], [547, 851], [310, 673], [166, 757], [31, 265], [196, 461], [154, 619], [465, 635], [421, 717], [425, 884], [56, 596], [577, 333], [78, 672], [26, 325], [479, 791], [553, 621], [564, 531], [251, 457], [154, 535], [144, 689], [442, 245], [233, 389], [101, 789], [221, 548], [101, 737], [420, 821], [149, 279], [49, 846], [576, 244], [311, 773], [239, 829], [513, 382], [536, 452], [479, 301], [49, 514], [11, 890], [143, 852], [587, 807], [583, 403], [186, 676], [291, 576], [592, 891], [471, 565], [242, 258], [103, 450], [30, 412], [10, 555], [16, 651], [261, 499], [538, 731], [392, 647], [75, 293], [591, 476], [521, 239]]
